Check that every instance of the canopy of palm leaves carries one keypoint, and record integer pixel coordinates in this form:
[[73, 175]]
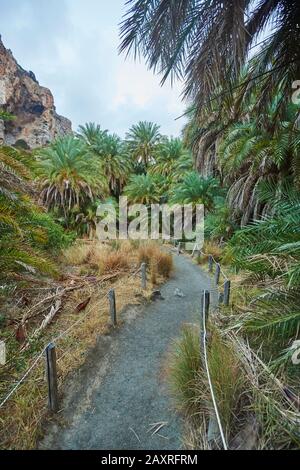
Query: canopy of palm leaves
[[195, 189], [142, 189], [253, 151], [91, 132], [270, 249], [172, 159], [115, 161], [69, 174], [26, 232], [207, 43], [142, 140]]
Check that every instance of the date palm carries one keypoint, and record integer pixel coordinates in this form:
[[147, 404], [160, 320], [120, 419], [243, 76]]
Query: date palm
[[91, 132], [142, 140], [69, 175], [207, 42], [114, 160], [194, 189], [172, 159], [142, 189]]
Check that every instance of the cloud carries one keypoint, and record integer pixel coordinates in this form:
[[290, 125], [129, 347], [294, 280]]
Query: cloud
[[72, 47]]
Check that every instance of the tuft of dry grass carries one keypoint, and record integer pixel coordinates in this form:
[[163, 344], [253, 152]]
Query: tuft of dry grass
[[77, 254], [165, 264], [160, 262], [210, 248], [189, 382], [113, 261]]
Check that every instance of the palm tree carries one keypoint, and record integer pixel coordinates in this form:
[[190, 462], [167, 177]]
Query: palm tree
[[172, 159], [91, 132], [270, 249], [207, 43], [195, 189], [142, 140], [115, 161], [142, 189], [69, 176], [24, 229], [252, 152]]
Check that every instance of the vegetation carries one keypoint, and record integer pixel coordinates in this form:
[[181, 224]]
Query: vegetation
[[243, 130], [239, 156]]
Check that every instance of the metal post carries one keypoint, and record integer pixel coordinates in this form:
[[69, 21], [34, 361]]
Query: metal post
[[112, 306], [52, 378]]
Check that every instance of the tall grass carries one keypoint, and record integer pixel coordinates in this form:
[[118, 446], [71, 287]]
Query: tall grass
[[189, 382], [160, 262]]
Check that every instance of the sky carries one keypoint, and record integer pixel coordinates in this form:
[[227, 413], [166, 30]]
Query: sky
[[72, 47]]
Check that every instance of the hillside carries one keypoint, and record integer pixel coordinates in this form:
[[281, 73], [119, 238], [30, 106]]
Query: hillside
[[36, 122]]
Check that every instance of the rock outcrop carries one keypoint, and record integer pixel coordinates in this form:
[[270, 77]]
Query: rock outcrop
[[36, 122]]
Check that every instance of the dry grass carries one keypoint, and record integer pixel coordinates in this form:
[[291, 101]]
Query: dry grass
[[160, 262], [28, 406], [213, 249], [190, 386], [77, 254], [113, 261]]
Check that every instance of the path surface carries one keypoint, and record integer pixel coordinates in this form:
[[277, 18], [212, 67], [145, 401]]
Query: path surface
[[121, 390]]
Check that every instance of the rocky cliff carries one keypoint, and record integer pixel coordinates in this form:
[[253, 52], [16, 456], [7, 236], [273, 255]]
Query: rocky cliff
[[36, 122]]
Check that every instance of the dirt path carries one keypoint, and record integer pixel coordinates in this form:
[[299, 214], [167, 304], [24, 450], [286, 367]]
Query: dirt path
[[121, 390]]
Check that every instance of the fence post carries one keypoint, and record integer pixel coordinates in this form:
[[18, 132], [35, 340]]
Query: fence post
[[218, 272], [144, 276], [204, 308], [178, 248], [227, 291], [221, 298], [112, 306], [213, 433], [210, 264], [52, 378]]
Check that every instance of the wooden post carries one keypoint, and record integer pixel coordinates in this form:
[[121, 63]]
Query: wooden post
[[218, 272], [204, 310], [144, 276], [178, 248], [210, 264], [213, 433], [2, 353], [52, 378], [112, 306], [221, 298], [227, 291], [206, 304]]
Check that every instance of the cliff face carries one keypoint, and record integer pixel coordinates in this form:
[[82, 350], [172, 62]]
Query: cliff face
[[36, 122]]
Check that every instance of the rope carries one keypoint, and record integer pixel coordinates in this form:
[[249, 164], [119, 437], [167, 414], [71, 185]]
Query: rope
[[23, 378], [209, 378], [55, 340]]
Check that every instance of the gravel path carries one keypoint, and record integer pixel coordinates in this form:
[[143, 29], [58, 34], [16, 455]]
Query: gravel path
[[121, 389]]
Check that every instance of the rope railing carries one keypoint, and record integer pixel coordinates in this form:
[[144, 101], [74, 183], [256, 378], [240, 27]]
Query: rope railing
[[223, 290], [224, 297], [59, 337], [205, 358]]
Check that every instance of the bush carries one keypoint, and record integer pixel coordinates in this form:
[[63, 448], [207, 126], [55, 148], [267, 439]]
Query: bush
[[54, 236]]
